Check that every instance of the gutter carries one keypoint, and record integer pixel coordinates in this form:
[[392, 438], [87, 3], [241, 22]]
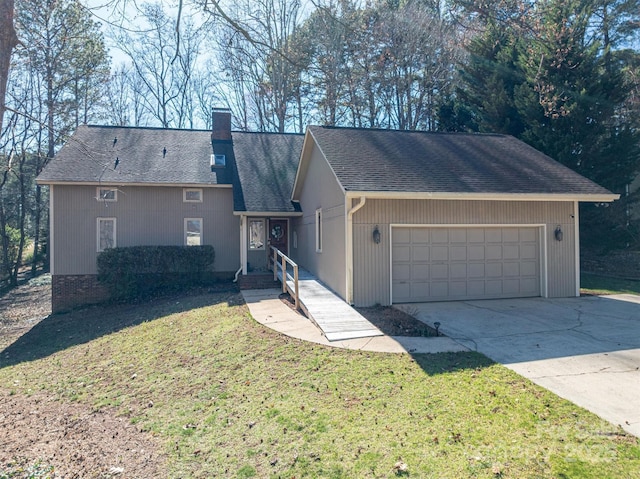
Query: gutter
[[349, 245]]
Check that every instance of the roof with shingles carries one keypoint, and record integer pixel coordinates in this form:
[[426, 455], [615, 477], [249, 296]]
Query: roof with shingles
[[121, 155], [370, 160], [266, 164], [262, 177]]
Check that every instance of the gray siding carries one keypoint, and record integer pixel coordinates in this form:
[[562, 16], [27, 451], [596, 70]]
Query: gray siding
[[372, 261], [145, 215], [321, 190]]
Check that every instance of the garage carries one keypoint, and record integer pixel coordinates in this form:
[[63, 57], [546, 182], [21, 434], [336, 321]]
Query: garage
[[462, 263]]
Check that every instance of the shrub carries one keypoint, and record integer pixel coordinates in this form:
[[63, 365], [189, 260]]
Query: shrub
[[144, 270]]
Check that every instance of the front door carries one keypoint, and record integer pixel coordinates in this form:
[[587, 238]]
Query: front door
[[278, 235]]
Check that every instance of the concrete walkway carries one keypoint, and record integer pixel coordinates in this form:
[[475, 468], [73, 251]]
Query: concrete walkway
[[267, 308]]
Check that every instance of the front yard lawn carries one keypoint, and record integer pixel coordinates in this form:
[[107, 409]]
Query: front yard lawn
[[602, 284], [226, 397]]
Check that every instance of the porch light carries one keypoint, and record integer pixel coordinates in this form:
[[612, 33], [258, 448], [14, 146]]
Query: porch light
[[376, 235], [558, 233]]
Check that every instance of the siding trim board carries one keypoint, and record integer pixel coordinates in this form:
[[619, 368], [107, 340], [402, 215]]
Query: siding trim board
[[398, 195], [541, 228]]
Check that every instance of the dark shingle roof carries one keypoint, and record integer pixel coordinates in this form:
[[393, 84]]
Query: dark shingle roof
[[410, 161], [266, 165], [90, 156]]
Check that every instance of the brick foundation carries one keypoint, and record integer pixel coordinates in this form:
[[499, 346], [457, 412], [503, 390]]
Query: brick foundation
[[258, 281], [71, 291]]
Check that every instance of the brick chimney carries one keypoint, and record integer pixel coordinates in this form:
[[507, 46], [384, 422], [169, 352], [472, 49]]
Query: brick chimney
[[221, 130]]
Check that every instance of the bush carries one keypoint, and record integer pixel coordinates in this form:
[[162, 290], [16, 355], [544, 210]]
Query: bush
[[139, 271]]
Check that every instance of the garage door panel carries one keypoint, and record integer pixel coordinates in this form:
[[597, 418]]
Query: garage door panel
[[401, 253], [529, 268], [401, 235], [439, 236], [439, 271], [458, 235], [511, 286], [476, 288], [493, 235], [420, 253], [420, 272], [420, 289], [458, 253], [440, 253], [439, 289], [494, 251], [476, 270], [476, 235], [528, 251], [510, 235], [402, 292], [458, 270], [476, 253], [436, 264], [494, 270], [530, 286], [401, 272], [420, 235], [511, 270], [530, 235], [493, 288], [510, 252]]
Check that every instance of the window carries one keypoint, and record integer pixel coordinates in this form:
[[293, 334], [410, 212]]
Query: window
[[319, 230], [193, 231], [106, 237], [218, 160], [107, 194], [295, 239], [192, 195], [256, 234]]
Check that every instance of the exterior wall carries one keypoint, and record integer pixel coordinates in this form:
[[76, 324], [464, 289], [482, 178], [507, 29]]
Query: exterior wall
[[321, 190], [372, 268], [145, 215]]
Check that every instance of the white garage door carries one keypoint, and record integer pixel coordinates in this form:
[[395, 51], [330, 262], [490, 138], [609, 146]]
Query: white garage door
[[448, 264]]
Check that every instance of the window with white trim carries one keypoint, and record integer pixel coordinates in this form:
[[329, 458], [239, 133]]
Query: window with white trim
[[192, 195], [218, 160], [319, 230], [256, 234], [106, 233], [193, 231], [106, 194]]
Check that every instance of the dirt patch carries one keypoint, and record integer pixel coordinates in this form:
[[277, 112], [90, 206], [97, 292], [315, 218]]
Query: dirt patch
[[41, 437], [69, 440], [393, 322], [23, 307]]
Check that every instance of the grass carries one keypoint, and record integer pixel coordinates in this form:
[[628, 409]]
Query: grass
[[230, 398], [598, 284]]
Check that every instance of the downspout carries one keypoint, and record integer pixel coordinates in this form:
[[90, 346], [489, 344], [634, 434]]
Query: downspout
[[576, 234], [349, 245], [243, 253]]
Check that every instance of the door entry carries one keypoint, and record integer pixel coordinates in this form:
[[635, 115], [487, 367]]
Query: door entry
[[278, 235]]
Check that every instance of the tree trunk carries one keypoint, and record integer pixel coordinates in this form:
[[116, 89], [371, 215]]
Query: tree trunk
[[8, 40]]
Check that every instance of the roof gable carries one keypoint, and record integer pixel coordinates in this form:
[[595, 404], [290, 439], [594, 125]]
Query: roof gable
[[393, 161], [266, 167]]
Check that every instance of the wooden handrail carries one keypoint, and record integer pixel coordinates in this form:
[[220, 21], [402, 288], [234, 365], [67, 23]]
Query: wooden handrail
[[282, 266]]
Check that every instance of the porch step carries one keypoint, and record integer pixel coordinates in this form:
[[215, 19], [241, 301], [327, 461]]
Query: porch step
[[257, 281]]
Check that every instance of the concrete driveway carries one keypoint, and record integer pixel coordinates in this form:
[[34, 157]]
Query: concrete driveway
[[586, 350]]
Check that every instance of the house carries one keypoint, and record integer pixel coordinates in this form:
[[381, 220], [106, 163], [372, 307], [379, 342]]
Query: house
[[379, 216]]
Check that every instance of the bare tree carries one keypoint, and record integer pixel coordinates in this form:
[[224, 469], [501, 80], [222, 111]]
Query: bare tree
[[8, 41]]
